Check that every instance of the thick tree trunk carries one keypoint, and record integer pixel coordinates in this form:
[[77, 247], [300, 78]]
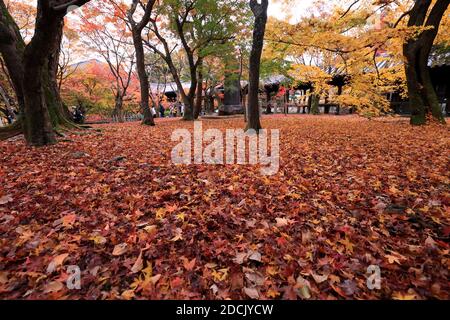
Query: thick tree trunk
[[33, 72], [59, 113], [189, 99], [12, 47], [136, 30], [143, 78], [315, 105], [260, 13], [422, 95], [38, 126], [118, 108]]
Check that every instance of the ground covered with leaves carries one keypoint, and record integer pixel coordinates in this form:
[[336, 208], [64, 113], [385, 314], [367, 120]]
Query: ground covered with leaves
[[350, 193]]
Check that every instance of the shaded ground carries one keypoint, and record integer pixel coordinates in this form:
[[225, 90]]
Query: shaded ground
[[350, 193]]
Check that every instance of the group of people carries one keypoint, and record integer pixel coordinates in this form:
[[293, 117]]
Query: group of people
[[176, 109]]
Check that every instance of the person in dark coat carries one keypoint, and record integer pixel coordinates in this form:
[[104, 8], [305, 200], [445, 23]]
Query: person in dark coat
[[161, 110]]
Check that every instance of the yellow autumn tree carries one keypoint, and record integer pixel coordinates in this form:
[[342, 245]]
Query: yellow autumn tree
[[364, 43]]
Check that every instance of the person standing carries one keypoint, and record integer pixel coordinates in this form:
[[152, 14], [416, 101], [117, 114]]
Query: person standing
[[161, 110]]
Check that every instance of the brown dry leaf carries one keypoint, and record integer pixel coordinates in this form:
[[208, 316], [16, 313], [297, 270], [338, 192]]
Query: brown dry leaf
[[319, 278], [53, 286], [189, 265], [98, 239], [281, 222], [178, 235], [251, 293], [138, 264], [254, 278], [6, 199], [56, 262], [151, 229], [155, 278], [254, 255], [240, 257], [120, 249]]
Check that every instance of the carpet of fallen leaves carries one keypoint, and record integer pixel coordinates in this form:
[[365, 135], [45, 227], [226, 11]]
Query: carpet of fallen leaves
[[350, 193]]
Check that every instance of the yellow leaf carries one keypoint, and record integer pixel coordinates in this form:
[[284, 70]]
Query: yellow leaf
[[160, 213], [348, 245], [151, 229], [272, 293], [404, 296], [128, 294], [98, 239]]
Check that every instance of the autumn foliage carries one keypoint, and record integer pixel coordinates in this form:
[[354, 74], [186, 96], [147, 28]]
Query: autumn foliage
[[350, 193]]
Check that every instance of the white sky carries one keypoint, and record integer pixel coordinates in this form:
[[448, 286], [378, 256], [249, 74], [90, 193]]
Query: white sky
[[293, 10]]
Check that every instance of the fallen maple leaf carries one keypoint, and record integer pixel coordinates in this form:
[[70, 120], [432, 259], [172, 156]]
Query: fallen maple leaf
[[98, 239], [281, 222], [155, 278], [178, 235], [120, 249], [251, 293], [5, 199], [411, 295], [303, 288], [53, 286], [348, 245], [68, 220], [271, 293], [189, 265], [318, 278], [151, 229], [254, 255], [56, 262], [138, 264], [394, 258], [240, 257], [254, 278], [128, 294]]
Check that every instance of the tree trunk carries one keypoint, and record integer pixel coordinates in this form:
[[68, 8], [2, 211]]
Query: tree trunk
[[136, 30], [422, 95], [38, 126], [59, 113], [338, 107], [12, 47], [199, 97], [118, 108], [260, 13], [33, 72], [189, 99], [314, 104], [143, 78]]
